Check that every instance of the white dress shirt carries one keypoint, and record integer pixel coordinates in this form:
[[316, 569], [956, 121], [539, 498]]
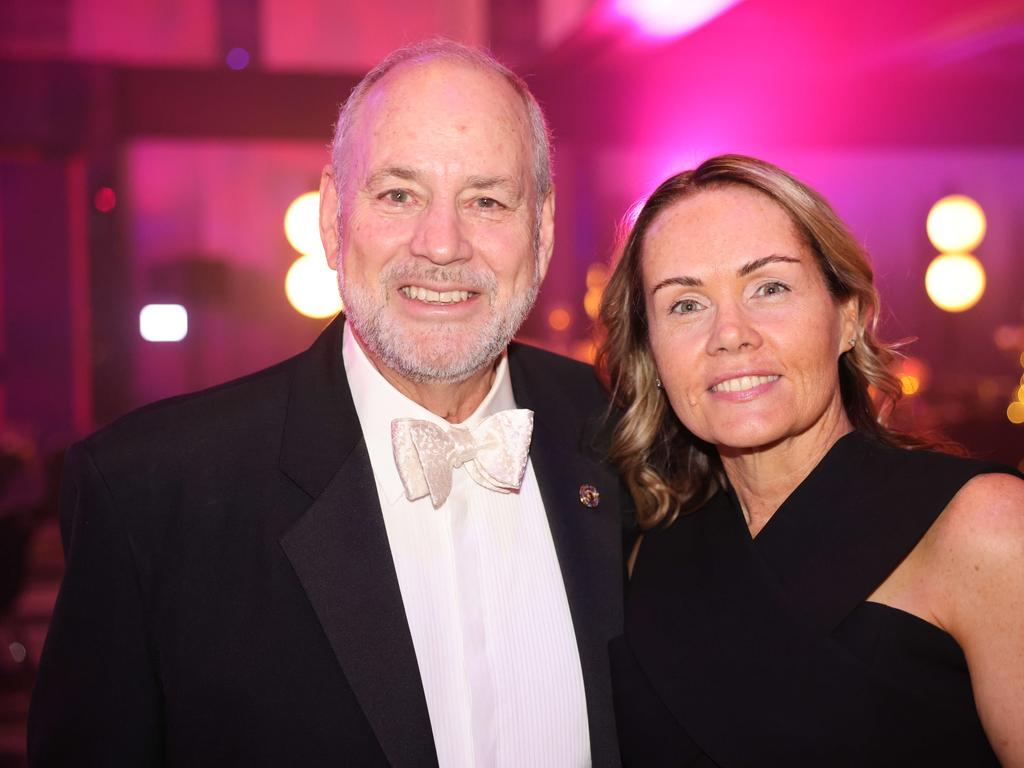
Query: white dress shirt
[[483, 596]]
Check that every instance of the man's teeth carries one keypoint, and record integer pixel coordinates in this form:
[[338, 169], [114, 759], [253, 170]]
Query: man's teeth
[[435, 297], [742, 383]]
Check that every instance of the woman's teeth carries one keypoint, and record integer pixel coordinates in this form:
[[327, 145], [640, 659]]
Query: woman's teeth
[[741, 383]]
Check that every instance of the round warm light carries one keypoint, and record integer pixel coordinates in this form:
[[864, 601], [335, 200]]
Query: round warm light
[[559, 319], [302, 224], [312, 287], [955, 281], [1015, 413], [910, 384], [597, 275], [956, 224]]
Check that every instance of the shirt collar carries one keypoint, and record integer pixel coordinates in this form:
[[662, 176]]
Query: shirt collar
[[377, 403]]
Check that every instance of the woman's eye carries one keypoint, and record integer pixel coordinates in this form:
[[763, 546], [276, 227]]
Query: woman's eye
[[772, 289], [686, 307]]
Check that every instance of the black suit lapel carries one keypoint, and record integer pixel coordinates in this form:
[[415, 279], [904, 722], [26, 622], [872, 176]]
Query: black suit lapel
[[340, 552], [588, 540]]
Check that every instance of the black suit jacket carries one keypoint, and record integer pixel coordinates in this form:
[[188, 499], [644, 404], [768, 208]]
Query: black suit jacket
[[230, 596]]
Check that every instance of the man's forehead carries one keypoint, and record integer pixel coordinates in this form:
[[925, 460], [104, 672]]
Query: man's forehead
[[440, 71], [448, 91], [418, 110]]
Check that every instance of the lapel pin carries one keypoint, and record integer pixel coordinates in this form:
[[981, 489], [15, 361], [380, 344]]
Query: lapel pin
[[589, 497]]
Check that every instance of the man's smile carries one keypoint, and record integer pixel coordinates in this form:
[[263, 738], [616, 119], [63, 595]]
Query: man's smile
[[431, 296]]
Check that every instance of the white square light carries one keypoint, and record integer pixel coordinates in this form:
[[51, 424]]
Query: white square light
[[163, 322]]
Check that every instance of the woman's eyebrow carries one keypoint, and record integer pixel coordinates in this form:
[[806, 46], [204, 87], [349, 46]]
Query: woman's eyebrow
[[684, 280], [756, 264], [695, 282]]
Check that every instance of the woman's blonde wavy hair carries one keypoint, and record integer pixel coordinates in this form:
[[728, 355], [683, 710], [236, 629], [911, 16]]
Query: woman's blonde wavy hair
[[668, 470]]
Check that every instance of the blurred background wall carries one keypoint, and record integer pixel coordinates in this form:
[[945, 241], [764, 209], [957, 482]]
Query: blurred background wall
[[149, 150]]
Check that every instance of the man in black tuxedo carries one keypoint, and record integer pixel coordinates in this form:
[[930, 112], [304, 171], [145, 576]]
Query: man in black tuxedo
[[360, 556]]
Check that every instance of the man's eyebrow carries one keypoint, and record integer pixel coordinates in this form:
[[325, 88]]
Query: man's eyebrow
[[490, 182], [392, 171], [506, 184], [750, 267], [756, 264]]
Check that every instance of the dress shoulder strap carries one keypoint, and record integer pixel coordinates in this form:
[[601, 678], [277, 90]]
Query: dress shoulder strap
[[854, 519]]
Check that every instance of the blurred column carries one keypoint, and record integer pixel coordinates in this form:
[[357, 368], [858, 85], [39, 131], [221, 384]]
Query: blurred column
[[57, 148], [238, 27], [45, 347], [515, 32]]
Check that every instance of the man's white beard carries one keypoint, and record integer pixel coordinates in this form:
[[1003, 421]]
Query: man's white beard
[[436, 356]]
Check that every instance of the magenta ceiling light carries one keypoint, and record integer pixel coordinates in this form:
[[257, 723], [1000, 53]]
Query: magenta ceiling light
[[670, 18]]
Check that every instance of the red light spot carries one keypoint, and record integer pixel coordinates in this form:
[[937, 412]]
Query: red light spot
[[105, 200]]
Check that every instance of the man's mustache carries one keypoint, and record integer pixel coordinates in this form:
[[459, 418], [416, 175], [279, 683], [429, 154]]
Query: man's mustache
[[478, 281]]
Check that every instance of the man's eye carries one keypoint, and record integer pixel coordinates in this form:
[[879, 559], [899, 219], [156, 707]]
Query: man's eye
[[398, 196], [487, 202], [686, 307]]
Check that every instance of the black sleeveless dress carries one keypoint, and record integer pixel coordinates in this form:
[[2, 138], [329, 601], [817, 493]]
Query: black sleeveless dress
[[763, 651]]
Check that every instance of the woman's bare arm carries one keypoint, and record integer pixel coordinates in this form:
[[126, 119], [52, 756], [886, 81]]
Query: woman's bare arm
[[977, 556]]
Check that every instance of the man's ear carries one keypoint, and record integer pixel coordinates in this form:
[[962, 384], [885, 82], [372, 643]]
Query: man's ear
[[546, 234], [329, 216]]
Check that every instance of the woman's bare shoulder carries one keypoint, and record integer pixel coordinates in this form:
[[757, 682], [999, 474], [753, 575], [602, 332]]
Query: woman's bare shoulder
[[983, 523], [974, 556]]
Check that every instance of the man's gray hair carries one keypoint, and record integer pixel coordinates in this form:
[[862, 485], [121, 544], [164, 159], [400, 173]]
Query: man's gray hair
[[444, 49]]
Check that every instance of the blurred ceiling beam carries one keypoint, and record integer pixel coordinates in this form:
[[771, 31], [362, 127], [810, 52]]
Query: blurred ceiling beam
[[58, 106], [50, 105]]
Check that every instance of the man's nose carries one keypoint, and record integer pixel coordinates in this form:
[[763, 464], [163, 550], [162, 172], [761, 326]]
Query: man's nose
[[439, 234]]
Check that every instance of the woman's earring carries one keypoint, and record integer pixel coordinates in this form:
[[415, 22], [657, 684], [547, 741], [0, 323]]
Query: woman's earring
[[657, 382], [853, 343]]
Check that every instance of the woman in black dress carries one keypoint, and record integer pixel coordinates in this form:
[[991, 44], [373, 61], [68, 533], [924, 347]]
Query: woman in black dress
[[813, 587]]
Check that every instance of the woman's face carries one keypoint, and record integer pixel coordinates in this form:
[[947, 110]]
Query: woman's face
[[743, 330]]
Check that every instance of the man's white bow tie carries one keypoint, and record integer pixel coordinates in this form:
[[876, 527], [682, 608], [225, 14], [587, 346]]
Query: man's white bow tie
[[494, 453]]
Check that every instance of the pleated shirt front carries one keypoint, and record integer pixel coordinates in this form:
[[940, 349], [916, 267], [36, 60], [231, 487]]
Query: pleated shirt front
[[483, 596]]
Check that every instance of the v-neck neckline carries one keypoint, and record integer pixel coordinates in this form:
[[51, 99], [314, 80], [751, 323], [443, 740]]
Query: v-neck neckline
[[825, 475]]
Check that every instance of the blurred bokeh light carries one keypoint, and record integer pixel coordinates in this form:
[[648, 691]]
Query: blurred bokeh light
[[237, 58], [311, 287], [105, 200], [559, 319], [670, 18], [302, 224], [913, 373], [910, 384], [163, 322], [597, 279], [1015, 412], [955, 281], [956, 224]]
